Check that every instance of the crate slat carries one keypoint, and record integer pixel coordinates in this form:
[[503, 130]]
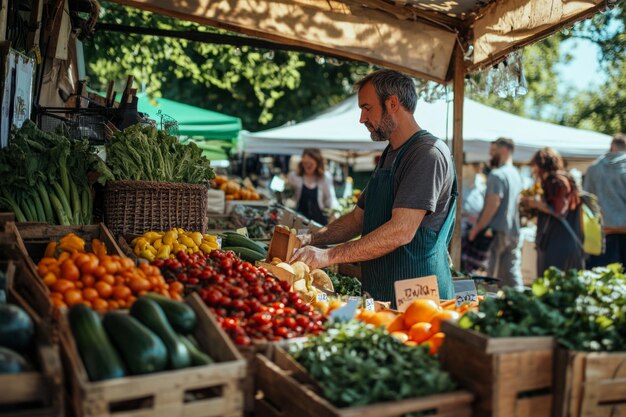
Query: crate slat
[[509, 376]]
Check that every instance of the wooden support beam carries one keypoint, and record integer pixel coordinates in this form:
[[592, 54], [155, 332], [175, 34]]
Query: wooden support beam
[[457, 150], [4, 9]]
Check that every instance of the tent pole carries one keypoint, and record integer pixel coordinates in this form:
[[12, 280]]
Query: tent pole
[[457, 150]]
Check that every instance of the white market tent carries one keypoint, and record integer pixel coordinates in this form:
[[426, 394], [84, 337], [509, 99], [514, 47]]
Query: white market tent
[[338, 132]]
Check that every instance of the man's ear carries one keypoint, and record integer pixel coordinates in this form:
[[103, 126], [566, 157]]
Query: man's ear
[[393, 104]]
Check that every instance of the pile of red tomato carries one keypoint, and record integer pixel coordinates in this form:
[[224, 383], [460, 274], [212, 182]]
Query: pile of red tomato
[[248, 303]]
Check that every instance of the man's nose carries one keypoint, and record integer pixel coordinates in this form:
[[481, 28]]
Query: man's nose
[[363, 118]]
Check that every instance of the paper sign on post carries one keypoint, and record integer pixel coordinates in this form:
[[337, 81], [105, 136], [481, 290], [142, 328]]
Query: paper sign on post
[[322, 296], [465, 292], [369, 304], [243, 231], [408, 290]]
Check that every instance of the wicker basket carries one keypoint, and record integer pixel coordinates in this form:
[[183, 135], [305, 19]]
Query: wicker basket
[[136, 207]]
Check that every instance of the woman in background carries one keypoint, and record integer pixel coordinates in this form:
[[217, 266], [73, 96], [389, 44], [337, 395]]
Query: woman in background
[[559, 230], [314, 189]]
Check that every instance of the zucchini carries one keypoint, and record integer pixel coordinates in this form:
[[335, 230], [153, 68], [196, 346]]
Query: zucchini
[[240, 241], [12, 362], [151, 315], [142, 351], [180, 315], [16, 328], [198, 358], [246, 254], [99, 356]]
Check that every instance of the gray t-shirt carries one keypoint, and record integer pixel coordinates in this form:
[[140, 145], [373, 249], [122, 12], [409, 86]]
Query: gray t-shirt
[[423, 178], [506, 182]]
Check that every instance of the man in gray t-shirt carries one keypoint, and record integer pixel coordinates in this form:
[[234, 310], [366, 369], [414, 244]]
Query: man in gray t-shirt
[[422, 180], [500, 216]]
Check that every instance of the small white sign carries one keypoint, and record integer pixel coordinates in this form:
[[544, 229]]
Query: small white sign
[[322, 296], [243, 231], [465, 292], [369, 304]]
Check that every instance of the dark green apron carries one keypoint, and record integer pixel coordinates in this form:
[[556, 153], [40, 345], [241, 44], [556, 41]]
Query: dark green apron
[[426, 254]]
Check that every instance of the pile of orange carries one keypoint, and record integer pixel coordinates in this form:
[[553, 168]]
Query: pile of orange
[[102, 282], [420, 324]]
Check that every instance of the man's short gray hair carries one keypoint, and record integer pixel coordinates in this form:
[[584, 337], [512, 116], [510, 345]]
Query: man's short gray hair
[[389, 83]]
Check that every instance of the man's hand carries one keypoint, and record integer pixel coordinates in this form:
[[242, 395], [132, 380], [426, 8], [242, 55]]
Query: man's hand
[[312, 256], [472, 234], [305, 240]]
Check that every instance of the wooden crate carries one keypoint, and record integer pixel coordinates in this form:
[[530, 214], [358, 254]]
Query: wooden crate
[[589, 384], [510, 377], [168, 393], [39, 392], [286, 390]]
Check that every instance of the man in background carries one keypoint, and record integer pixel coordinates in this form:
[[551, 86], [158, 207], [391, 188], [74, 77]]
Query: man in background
[[606, 178], [500, 216]]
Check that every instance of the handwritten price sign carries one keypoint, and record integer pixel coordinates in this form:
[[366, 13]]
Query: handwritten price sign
[[408, 290], [465, 292]]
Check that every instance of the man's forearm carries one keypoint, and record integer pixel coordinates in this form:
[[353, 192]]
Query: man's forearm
[[381, 241], [341, 230]]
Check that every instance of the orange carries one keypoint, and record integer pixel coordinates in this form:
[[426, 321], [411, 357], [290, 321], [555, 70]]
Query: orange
[[179, 287], [108, 278], [100, 305], [104, 289], [127, 263], [397, 324], [59, 303], [89, 266], [176, 296], [442, 316], [49, 279], [113, 305], [69, 270], [99, 271], [62, 285], [435, 342], [73, 297], [382, 318], [121, 292], [90, 294], [420, 311], [137, 284], [365, 315], [420, 332], [88, 280], [401, 336], [410, 343]]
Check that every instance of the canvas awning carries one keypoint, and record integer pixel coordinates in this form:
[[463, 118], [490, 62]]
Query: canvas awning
[[417, 37]]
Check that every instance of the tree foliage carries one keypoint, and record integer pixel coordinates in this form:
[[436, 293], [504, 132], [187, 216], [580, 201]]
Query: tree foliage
[[263, 88]]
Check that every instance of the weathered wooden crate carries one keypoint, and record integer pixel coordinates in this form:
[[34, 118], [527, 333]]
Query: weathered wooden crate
[[589, 384], [510, 377], [203, 391], [38, 393], [287, 390]]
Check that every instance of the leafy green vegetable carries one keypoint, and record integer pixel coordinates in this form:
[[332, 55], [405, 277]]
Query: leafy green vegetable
[[356, 364], [584, 310], [344, 285], [32, 163], [145, 154]]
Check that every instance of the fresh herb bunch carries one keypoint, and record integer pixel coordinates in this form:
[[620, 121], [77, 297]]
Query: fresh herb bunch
[[147, 154], [344, 285], [357, 364], [584, 310]]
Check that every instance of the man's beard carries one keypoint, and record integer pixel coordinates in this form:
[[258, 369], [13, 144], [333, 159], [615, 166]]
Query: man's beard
[[385, 129], [495, 161]]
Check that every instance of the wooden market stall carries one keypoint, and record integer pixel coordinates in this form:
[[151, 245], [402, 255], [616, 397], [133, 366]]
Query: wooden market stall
[[436, 40]]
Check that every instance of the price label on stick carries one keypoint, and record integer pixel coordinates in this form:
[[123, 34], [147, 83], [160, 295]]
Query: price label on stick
[[408, 290], [369, 304], [322, 296], [465, 292]]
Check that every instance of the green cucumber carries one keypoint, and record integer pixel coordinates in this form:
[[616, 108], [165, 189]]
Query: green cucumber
[[100, 358], [151, 315], [180, 315], [240, 241], [198, 358], [143, 352], [246, 254]]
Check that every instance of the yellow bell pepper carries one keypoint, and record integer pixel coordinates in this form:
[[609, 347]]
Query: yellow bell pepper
[[170, 237], [50, 249], [210, 238], [196, 237], [151, 249], [157, 244], [152, 236], [72, 243], [146, 254], [186, 241], [164, 252]]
